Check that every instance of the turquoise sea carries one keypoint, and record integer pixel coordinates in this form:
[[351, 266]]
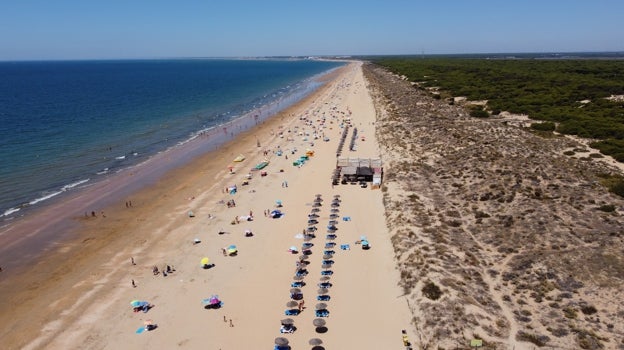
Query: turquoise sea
[[68, 124]]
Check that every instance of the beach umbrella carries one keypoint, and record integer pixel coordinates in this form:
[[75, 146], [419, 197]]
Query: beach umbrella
[[333, 222], [308, 238], [281, 341], [315, 210], [324, 279], [327, 256], [287, 321], [319, 322], [312, 222], [324, 285], [334, 210], [138, 303], [204, 261], [213, 300], [326, 266], [292, 303], [313, 216], [318, 195], [231, 249], [334, 205], [315, 341], [318, 199], [322, 291], [303, 257], [316, 205], [295, 290], [321, 306], [298, 278], [333, 216], [330, 237]]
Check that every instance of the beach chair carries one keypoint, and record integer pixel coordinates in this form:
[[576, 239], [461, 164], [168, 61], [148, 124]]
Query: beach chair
[[297, 284], [327, 273], [329, 252], [322, 313], [329, 245], [291, 312], [323, 297]]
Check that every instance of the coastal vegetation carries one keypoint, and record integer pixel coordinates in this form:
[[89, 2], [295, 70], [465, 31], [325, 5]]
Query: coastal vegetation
[[500, 233], [576, 97]]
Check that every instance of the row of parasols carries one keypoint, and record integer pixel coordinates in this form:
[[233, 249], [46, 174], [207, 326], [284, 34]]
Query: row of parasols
[[293, 306], [343, 138]]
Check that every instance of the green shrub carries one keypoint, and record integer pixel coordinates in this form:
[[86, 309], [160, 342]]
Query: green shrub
[[432, 291], [545, 126], [478, 112], [588, 310], [607, 208]]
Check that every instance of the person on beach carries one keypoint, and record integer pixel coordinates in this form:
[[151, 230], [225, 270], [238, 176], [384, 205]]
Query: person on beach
[[133, 284], [231, 324], [301, 303], [132, 260], [224, 251]]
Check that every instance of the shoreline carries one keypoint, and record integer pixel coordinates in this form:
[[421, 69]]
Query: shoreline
[[236, 120], [45, 226]]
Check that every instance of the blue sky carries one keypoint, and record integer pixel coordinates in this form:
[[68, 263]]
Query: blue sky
[[91, 29]]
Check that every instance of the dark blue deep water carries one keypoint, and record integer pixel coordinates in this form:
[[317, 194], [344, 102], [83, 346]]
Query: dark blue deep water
[[63, 125]]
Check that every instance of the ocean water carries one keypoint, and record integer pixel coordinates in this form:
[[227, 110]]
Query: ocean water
[[65, 125]]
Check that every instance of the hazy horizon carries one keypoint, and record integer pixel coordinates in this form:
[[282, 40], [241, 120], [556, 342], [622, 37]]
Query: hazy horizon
[[77, 30]]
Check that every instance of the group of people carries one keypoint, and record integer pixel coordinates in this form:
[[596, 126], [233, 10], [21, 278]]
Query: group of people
[[167, 270]]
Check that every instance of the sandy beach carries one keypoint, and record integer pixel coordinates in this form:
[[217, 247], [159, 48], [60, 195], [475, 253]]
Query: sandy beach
[[79, 295]]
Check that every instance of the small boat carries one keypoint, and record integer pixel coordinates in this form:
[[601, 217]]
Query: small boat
[[240, 158]]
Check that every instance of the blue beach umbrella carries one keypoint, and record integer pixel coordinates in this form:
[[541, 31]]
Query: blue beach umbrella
[[138, 303]]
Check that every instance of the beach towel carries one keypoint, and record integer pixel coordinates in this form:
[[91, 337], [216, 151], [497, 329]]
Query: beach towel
[[345, 247]]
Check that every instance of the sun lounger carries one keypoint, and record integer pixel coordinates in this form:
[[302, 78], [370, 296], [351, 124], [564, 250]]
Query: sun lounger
[[329, 252], [323, 298], [297, 284], [327, 273], [330, 245], [322, 313], [291, 312]]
